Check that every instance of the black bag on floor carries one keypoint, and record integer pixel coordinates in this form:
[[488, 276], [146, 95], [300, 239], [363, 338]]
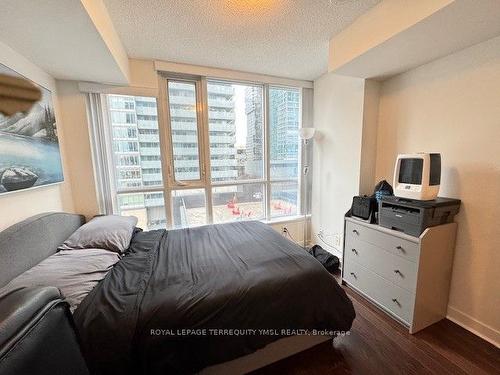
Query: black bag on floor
[[328, 260]]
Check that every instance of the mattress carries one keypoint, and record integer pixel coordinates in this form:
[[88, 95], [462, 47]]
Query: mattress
[[182, 300]]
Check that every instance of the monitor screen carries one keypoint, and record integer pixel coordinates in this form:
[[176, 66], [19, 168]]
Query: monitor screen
[[410, 171], [435, 172]]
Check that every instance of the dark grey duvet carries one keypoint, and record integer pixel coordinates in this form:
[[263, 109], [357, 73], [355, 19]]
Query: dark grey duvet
[[170, 304]]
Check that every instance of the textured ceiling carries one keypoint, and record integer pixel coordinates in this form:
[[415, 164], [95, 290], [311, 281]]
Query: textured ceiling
[[287, 38], [59, 37]]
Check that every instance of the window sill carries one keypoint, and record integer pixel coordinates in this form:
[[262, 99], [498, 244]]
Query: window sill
[[286, 219]]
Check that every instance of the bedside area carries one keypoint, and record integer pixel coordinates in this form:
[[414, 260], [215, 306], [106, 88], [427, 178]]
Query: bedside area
[[407, 277]]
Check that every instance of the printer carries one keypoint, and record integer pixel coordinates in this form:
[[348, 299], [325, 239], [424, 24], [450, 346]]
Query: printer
[[413, 216]]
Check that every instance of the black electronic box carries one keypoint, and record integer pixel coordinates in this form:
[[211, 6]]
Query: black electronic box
[[412, 216]]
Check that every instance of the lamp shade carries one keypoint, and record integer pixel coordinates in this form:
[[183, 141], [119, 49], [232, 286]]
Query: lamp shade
[[306, 133]]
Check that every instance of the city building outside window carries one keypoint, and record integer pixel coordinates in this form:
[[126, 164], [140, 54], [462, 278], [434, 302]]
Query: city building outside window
[[233, 167]]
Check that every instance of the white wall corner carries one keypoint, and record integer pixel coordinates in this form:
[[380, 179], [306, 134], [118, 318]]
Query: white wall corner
[[379, 24], [397, 36], [338, 117], [369, 137]]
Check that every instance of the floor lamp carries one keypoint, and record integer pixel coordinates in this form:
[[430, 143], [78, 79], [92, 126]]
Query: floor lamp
[[305, 135]]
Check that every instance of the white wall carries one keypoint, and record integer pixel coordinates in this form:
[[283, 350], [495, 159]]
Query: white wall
[[19, 205], [80, 169], [369, 137], [452, 105], [338, 119]]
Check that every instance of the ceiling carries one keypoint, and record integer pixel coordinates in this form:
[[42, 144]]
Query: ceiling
[[447, 27], [287, 38], [92, 40], [60, 37]]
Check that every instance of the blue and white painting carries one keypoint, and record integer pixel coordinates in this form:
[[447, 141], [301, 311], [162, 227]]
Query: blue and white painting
[[29, 146]]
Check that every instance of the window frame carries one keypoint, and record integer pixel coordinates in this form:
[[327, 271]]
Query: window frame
[[169, 183], [264, 130], [169, 142], [205, 182]]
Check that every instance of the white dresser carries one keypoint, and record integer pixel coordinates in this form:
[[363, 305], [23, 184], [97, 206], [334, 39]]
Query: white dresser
[[408, 277]]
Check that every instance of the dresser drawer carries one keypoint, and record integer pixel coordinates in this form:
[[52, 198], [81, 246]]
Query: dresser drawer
[[391, 297], [394, 268], [396, 245]]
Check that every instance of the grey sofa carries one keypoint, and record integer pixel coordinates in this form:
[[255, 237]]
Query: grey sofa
[[37, 334]]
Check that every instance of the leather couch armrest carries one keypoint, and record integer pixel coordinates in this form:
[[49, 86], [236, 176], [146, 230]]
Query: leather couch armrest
[[19, 308], [37, 334]]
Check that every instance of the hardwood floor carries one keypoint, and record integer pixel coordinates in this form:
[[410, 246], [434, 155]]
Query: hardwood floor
[[379, 345]]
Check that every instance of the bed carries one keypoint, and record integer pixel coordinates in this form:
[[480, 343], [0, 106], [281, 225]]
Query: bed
[[216, 298]]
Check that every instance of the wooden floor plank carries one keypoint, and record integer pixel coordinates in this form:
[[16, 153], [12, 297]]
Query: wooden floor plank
[[400, 335], [377, 344]]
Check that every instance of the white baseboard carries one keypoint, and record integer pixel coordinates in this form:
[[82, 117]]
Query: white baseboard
[[473, 325]]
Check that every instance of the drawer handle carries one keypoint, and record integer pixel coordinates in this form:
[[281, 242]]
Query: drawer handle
[[400, 248], [355, 231], [395, 300], [354, 275], [355, 251], [398, 272]]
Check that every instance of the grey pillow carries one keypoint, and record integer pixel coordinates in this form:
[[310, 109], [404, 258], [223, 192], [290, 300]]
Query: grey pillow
[[75, 273], [109, 232]]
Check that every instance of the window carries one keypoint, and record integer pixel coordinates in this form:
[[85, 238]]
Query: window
[[189, 208], [184, 130], [226, 158], [127, 160], [136, 162], [149, 208], [284, 107], [124, 146], [121, 102], [235, 124], [284, 124], [120, 117], [124, 132], [238, 202], [284, 198]]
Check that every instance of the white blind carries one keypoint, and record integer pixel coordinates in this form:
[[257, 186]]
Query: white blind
[[100, 153]]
